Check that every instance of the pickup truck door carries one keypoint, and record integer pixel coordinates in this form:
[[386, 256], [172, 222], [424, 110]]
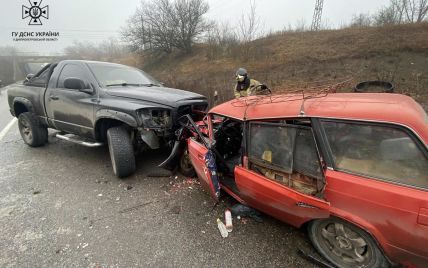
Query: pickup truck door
[[70, 110]]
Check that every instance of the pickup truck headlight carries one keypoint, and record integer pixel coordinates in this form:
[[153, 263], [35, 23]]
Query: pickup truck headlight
[[156, 118]]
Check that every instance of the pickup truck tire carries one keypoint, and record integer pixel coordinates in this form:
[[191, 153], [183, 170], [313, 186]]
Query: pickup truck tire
[[186, 167], [32, 132], [121, 151]]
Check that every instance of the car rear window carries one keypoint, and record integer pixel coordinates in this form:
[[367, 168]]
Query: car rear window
[[378, 151]]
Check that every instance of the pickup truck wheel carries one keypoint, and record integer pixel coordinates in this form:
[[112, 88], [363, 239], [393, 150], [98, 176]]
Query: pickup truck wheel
[[32, 132], [121, 151], [186, 167], [345, 245]]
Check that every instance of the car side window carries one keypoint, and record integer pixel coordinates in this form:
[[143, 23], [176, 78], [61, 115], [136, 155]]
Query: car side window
[[71, 70], [286, 154], [272, 144], [378, 151]]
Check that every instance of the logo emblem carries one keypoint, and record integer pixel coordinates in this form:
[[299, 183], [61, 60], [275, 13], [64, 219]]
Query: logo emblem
[[35, 12]]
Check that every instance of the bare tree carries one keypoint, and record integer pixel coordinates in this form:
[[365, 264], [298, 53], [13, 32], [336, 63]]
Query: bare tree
[[385, 16], [111, 49], [221, 39], [162, 25], [190, 22], [402, 11], [361, 20], [301, 25], [398, 9], [250, 25], [415, 10]]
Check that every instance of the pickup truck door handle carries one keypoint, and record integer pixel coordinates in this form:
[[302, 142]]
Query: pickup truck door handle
[[54, 97], [201, 157]]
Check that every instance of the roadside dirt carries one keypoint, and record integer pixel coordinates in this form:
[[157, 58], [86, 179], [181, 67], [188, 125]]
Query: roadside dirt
[[306, 60]]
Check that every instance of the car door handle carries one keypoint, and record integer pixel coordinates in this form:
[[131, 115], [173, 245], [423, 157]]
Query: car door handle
[[423, 216], [201, 157], [54, 97]]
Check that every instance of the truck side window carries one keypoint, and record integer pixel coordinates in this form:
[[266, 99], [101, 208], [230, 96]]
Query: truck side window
[[41, 80], [71, 70], [377, 151]]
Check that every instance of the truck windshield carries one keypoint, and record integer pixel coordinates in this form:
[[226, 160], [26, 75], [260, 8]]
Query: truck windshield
[[111, 75]]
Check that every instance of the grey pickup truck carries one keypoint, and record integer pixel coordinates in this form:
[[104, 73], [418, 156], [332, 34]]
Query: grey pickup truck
[[96, 103]]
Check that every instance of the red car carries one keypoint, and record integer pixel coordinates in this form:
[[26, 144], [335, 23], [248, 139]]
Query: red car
[[351, 167]]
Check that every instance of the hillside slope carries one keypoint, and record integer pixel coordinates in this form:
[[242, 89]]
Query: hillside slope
[[309, 59]]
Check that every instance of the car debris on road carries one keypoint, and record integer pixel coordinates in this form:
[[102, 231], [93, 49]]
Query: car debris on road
[[222, 228]]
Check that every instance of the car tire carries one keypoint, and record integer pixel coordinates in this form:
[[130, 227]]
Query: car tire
[[32, 131], [345, 245], [121, 151], [186, 167]]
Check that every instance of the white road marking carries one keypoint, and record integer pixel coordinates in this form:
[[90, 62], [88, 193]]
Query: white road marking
[[7, 128]]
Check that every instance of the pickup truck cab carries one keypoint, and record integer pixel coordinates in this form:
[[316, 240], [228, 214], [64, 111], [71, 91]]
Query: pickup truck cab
[[351, 167], [94, 103]]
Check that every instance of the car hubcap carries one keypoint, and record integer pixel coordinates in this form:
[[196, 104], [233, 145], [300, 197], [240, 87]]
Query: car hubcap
[[345, 244]]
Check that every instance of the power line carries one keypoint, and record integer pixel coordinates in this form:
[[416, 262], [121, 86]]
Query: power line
[[316, 21]]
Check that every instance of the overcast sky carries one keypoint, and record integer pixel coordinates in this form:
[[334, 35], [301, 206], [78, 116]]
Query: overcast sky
[[95, 20]]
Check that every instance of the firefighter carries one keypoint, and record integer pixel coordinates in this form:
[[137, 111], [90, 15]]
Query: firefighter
[[245, 86]]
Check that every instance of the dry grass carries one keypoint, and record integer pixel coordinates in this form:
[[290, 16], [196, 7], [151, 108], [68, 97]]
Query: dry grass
[[304, 60]]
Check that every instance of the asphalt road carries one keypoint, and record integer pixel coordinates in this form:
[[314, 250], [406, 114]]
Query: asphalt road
[[60, 206], [5, 116]]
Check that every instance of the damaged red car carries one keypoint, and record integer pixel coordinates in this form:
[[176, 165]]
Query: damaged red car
[[352, 168]]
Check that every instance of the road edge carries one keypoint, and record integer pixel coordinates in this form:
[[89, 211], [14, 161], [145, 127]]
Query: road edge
[[7, 128]]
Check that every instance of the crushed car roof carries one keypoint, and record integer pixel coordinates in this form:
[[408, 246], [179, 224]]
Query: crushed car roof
[[378, 107]]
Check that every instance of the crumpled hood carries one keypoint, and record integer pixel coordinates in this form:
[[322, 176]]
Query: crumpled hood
[[161, 95]]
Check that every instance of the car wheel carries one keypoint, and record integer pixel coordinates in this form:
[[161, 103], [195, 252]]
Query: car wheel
[[121, 151], [186, 167], [344, 244], [32, 132]]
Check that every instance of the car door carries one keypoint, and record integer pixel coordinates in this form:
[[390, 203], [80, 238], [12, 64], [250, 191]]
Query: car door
[[71, 110], [382, 168], [274, 147], [203, 159], [204, 162]]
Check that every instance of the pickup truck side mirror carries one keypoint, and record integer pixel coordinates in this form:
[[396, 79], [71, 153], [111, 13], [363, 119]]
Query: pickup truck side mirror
[[28, 77], [77, 84]]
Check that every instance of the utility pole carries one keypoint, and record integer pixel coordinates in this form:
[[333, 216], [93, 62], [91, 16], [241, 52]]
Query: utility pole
[[316, 21]]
